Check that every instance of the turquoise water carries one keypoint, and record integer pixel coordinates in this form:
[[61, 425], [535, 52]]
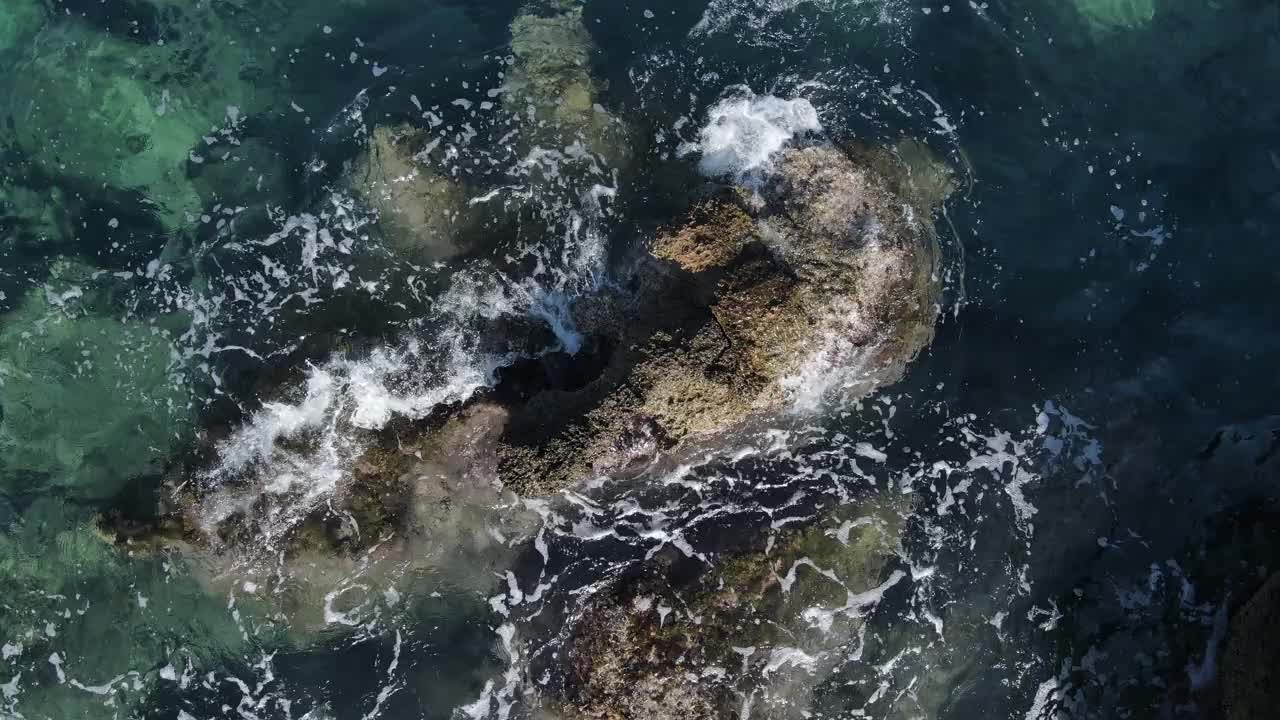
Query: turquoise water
[[203, 285]]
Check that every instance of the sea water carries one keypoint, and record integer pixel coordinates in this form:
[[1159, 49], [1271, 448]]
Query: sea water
[[192, 291]]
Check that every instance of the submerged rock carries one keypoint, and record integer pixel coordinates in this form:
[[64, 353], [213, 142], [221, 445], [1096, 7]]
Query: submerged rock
[[19, 19], [563, 137], [824, 283], [89, 628], [424, 215], [550, 87], [89, 401], [1106, 16], [424, 510], [761, 631], [104, 111]]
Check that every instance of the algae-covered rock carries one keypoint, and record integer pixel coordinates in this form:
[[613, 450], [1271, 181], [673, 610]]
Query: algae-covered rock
[[19, 21], [550, 87], [424, 215], [823, 284], [760, 630], [31, 216], [90, 400]]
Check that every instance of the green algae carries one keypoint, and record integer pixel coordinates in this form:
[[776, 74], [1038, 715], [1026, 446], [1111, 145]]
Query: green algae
[[90, 400]]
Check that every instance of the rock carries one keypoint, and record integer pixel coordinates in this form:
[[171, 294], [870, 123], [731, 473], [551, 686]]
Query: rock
[[36, 218], [825, 283], [424, 215], [241, 173], [763, 629], [1250, 673], [429, 511], [551, 88], [19, 19], [103, 611]]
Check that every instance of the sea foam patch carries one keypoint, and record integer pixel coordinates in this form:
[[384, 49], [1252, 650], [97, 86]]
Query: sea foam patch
[[743, 131]]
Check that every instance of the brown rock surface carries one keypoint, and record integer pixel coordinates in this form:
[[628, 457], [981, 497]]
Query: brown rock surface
[[826, 282]]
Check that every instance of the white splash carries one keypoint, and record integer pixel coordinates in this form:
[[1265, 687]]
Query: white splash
[[744, 130]]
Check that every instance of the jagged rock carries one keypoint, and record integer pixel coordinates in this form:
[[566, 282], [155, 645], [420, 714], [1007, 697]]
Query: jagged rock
[[761, 630], [826, 282]]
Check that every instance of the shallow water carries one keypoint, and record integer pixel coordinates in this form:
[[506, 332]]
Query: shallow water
[[1080, 470]]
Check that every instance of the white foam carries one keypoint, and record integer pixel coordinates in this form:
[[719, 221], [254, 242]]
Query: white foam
[[298, 450], [743, 131], [340, 399]]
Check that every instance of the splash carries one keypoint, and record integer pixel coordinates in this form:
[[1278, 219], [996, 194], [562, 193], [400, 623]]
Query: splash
[[744, 130]]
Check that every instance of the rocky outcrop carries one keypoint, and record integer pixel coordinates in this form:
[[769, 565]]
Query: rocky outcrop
[[825, 282], [816, 280], [822, 282]]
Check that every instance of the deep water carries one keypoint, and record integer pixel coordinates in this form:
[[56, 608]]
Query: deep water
[[1084, 461]]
